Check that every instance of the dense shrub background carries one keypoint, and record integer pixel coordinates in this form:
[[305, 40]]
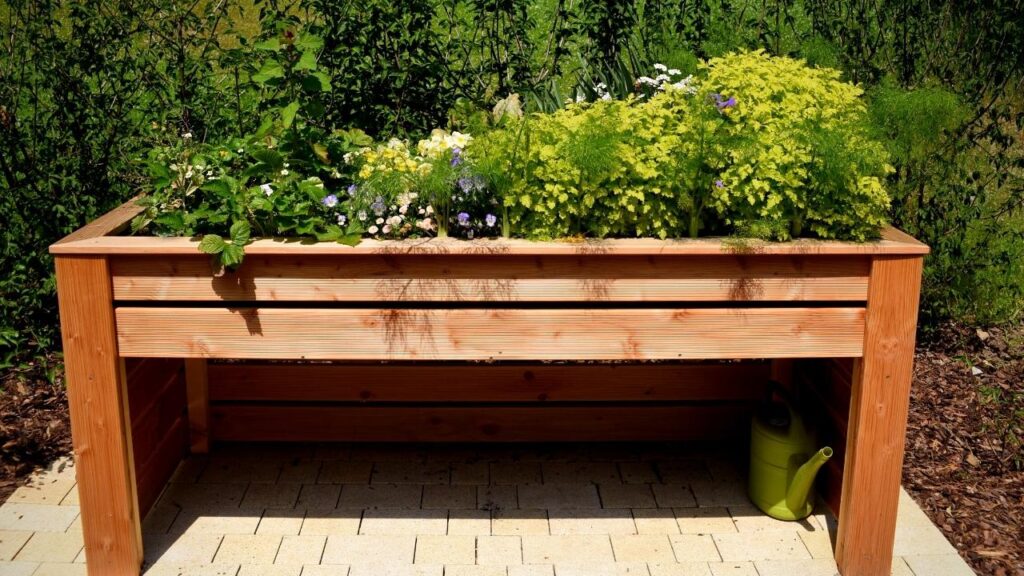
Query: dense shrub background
[[87, 86]]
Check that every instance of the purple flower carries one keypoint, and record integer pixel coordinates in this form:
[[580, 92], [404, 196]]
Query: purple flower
[[463, 219], [378, 206], [342, 219], [352, 188], [456, 156], [491, 220], [719, 184], [723, 103], [465, 184], [330, 201]]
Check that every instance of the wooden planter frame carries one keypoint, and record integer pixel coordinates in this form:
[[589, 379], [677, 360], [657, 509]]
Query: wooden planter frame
[[141, 316]]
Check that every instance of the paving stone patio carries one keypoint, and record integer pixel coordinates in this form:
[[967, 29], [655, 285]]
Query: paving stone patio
[[382, 510]]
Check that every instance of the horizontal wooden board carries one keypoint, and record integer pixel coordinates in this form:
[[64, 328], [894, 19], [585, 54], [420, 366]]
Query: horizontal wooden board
[[489, 334], [484, 278], [474, 424], [487, 383], [892, 242]]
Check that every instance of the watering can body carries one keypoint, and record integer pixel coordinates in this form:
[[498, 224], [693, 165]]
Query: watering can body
[[783, 463]]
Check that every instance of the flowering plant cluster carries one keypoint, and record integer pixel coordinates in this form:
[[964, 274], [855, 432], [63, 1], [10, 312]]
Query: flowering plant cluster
[[755, 145]]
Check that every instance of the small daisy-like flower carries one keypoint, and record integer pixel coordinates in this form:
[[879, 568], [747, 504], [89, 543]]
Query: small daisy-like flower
[[490, 220], [267, 189], [330, 201]]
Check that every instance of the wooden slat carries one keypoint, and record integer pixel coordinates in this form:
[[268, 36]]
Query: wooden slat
[[487, 383], [110, 223], [891, 243], [164, 460], [198, 391], [101, 432], [484, 278], [878, 419], [489, 334], [471, 424]]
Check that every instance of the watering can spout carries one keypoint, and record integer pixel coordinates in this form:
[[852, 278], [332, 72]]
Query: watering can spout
[[803, 480]]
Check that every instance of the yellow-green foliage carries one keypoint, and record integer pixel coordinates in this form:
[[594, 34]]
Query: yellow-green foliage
[[764, 146], [803, 158]]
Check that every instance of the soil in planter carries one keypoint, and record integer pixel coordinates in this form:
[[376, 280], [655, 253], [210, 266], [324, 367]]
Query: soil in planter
[[34, 426]]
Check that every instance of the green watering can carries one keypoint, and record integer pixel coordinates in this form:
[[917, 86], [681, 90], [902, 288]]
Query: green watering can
[[783, 462]]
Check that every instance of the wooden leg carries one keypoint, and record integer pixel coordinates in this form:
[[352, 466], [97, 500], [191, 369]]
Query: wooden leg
[[100, 427], [198, 391], [878, 419]]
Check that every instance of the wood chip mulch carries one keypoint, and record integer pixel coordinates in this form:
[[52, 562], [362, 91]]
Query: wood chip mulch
[[964, 462], [34, 428]]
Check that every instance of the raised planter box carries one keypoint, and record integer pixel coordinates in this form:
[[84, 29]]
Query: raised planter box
[[141, 316]]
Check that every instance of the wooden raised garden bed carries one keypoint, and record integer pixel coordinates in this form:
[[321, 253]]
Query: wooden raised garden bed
[[141, 317]]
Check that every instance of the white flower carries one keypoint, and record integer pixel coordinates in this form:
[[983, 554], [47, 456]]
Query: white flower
[[187, 135], [347, 158], [386, 229], [286, 165], [675, 72], [284, 172], [660, 67], [335, 174], [342, 219], [266, 189], [361, 215], [240, 150], [430, 209], [425, 224], [606, 96], [372, 229], [421, 211], [380, 220], [403, 208], [395, 221]]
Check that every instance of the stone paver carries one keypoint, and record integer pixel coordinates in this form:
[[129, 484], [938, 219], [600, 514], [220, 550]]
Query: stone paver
[[464, 510]]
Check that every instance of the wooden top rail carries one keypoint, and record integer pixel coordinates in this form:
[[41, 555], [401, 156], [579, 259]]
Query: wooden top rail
[[94, 239]]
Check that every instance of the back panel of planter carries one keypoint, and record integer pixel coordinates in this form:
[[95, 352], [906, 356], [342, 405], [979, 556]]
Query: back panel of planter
[[483, 402]]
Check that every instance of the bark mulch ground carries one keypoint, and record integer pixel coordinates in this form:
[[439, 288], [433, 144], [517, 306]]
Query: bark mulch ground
[[964, 463], [34, 428]]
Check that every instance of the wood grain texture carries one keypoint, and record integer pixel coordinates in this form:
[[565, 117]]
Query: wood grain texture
[[156, 392], [110, 223], [878, 418], [100, 428], [377, 383], [198, 391], [892, 242], [490, 334], [825, 398], [483, 278], [474, 424]]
